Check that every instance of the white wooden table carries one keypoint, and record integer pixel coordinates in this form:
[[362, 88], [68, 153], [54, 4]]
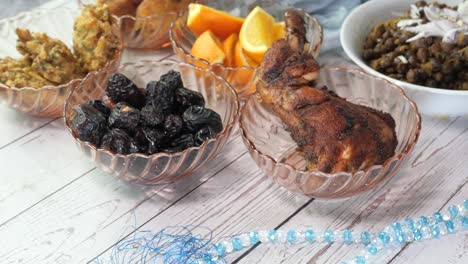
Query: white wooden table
[[56, 207]]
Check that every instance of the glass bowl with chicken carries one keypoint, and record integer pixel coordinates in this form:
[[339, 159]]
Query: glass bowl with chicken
[[44, 54], [231, 37], [325, 133]]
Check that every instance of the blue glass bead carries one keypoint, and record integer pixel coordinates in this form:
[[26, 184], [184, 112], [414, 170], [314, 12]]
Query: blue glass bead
[[396, 226], [328, 236], [450, 225], [291, 236], [272, 235], [417, 234], [423, 221], [465, 204], [220, 249], [464, 221], [236, 243], [207, 258], [400, 237], [309, 235], [385, 237], [365, 238], [438, 218], [410, 223], [435, 231], [360, 260], [254, 238], [347, 237], [372, 249], [453, 210]]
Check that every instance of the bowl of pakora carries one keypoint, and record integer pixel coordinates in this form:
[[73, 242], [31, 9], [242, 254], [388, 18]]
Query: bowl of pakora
[[144, 23], [231, 37], [41, 62]]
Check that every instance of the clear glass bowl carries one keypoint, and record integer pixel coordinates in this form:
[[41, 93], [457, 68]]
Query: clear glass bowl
[[159, 168], [148, 33], [241, 78], [46, 101], [274, 151]]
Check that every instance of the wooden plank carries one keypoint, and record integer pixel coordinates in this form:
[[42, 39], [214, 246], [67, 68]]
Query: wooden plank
[[16, 125], [435, 173], [237, 200], [84, 218], [37, 165]]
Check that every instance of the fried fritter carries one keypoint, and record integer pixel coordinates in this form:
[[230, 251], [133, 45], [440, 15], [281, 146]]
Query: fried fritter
[[18, 73], [94, 41], [121, 7], [161, 7], [49, 57]]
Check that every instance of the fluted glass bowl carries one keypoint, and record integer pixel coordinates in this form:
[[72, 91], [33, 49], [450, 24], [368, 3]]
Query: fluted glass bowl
[[148, 33], [241, 78], [46, 101], [159, 168], [274, 151]]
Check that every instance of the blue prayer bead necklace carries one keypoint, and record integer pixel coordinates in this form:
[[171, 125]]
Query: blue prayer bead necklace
[[450, 221], [182, 244]]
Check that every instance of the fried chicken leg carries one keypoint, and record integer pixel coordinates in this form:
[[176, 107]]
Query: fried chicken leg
[[331, 133]]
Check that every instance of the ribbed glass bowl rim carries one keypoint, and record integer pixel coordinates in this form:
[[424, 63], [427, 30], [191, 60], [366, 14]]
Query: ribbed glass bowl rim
[[159, 154], [41, 12], [176, 46], [406, 151], [81, 4]]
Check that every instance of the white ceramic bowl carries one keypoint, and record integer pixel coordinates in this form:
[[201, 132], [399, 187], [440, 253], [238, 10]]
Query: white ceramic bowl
[[430, 101]]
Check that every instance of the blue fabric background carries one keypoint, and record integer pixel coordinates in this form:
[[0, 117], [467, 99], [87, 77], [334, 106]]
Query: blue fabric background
[[331, 14]]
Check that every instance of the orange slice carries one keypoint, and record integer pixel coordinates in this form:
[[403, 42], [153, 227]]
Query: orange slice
[[202, 18], [256, 34], [229, 47], [279, 30], [241, 77], [208, 47], [241, 58]]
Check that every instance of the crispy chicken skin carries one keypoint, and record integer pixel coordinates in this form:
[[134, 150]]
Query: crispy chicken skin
[[49, 57], [332, 134], [94, 41]]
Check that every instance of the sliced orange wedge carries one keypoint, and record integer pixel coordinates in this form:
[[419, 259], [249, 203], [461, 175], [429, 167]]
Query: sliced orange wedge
[[202, 18], [256, 34], [241, 58], [229, 48], [208, 47]]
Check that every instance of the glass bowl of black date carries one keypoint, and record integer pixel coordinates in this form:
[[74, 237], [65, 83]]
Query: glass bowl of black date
[[153, 122]]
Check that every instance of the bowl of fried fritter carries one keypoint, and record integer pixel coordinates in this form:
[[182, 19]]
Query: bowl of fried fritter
[[325, 132], [38, 73], [144, 23]]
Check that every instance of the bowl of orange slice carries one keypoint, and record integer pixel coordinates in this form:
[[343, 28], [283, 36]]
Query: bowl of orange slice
[[231, 37]]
